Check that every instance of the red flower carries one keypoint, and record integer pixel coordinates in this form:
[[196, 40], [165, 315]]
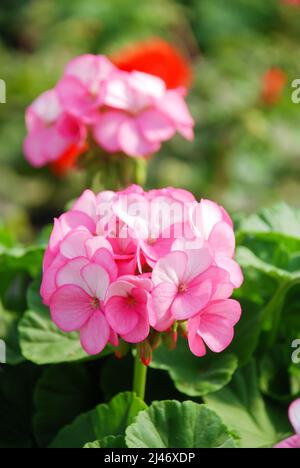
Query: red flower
[[158, 58], [67, 161], [292, 2], [274, 82]]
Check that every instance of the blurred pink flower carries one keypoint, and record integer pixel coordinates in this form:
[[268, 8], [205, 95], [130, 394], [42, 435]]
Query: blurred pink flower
[[294, 415], [51, 131], [81, 90], [140, 114]]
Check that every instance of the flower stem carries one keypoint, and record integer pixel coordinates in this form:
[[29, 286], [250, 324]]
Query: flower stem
[[140, 376]]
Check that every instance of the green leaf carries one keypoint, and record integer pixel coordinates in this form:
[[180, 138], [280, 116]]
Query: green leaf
[[170, 424], [19, 258], [41, 341], [63, 392], [9, 334], [280, 220], [247, 332], [103, 421], [195, 376], [107, 443], [243, 410]]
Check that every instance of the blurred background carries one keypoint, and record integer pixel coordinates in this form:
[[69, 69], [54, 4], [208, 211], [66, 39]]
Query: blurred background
[[245, 55]]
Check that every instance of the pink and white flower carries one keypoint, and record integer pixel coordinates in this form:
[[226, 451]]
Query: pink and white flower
[[78, 303], [81, 90], [140, 114], [127, 308], [127, 262]]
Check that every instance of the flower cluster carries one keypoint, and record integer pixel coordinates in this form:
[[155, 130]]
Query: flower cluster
[[120, 111], [133, 263]]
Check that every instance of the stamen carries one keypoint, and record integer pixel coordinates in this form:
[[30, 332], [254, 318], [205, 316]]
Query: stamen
[[182, 288], [95, 303]]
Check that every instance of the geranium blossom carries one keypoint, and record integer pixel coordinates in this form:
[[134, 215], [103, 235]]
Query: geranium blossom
[[51, 131], [126, 264], [140, 114], [294, 416], [131, 113]]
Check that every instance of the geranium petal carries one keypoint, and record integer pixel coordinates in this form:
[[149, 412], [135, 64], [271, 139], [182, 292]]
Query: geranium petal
[[95, 334], [70, 308]]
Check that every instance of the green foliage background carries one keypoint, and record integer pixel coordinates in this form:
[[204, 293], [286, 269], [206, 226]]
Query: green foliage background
[[246, 155]]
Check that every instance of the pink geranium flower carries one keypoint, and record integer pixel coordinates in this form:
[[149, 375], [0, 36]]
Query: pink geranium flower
[[212, 224], [294, 415], [81, 90], [51, 131], [78, 303], [127, 307], [140, 114], [120, 263], [213, 326], [180, 289]]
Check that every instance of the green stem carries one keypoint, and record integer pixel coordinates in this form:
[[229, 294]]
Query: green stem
[[140, 377]]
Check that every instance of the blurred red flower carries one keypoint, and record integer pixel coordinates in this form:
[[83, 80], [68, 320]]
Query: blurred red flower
[[292, 2], [68, 160], [156, 57], [274, 82]]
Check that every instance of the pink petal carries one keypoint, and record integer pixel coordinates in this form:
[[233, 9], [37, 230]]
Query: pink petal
[[170, 269], [222, 287], [290, 443], [148, 85], [198, 261], [86, 204], [105, 259], [141, 330], [217, 323], [106, 130], [118, 94], [294, 415], [73, 244], [69, 274], [161, 300], [196, 343], [205, 216], [222, 240], [70, 308], [96, 279], [188, 304], [173, 105], [234, 270], [76, 98], [95, 334], [155, 126], [132, 141], [49, 278], [89, 68], [121, 316]]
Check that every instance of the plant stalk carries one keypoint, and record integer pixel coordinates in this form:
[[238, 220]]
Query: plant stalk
[[140, 377]]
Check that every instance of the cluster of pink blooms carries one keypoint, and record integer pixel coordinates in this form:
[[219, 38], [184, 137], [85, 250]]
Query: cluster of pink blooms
[[294, 415], [121, 265], [123, 112]]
